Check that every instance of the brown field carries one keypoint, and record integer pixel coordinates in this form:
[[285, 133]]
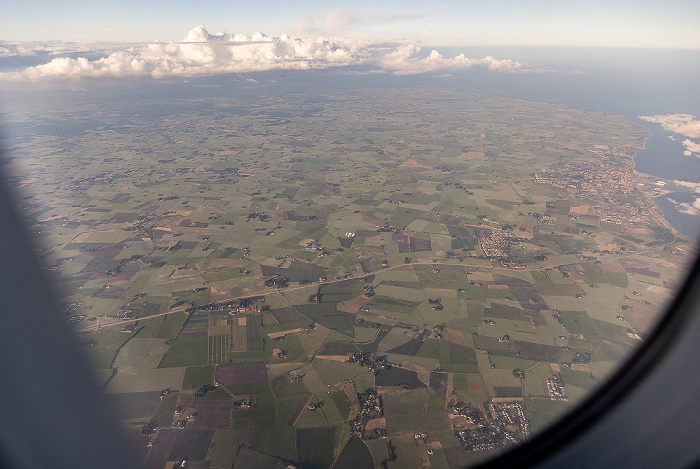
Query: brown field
[[413, 164], [537, 352], [176, 444], [351, 392], [240, 335], [523, 291], [452, 269], [353, 304], [370, 248], [337, 358], [275, 335], [241, 374], [581, 210], [300, 409], [473, 154], [644, 272], [210, 414], [419, 244], [373, 220], [374, 424], [616, 350], [642, 317], [305, 444], [611, 268], [489, 343], [455, 336]]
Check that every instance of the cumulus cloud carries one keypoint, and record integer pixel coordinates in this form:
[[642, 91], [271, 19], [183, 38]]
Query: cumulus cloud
[[683, 124], [403, 61], [691, 148], [689, 208], [694, 186], [202, 53]]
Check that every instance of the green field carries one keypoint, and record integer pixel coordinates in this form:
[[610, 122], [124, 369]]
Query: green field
[[186, 351]]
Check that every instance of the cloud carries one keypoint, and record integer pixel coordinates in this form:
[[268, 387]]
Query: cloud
[[403, 61], [202, 53], [694, 186], [683, 124], [337, 22], [691, 148], [689, 208], [31, 49]]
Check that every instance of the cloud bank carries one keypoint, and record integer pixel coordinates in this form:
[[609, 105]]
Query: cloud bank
[[682, 124], [202, 53], [30, 49], [337, 22]]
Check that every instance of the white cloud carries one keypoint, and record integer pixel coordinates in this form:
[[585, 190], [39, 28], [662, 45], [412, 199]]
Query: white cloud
[[689, 208], [694, 186], [340, 22], [31, 49], [691, 148], [683, 124], [202, 53], [403, 61]]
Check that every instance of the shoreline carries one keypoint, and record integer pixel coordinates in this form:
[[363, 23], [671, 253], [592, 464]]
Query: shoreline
[[650, 180]]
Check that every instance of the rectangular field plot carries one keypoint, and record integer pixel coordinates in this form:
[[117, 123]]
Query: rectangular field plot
[[209, 414], [186, 351], [241, 374], [224, 447], [414, 421], [409, 295], [220, 348], [254, 336], [470, 388], [536, 352], [127, 381], [239, 339], [177, 444], [134, 405], [196, 377]]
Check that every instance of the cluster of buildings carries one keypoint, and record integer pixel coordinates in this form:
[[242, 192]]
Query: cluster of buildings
[[76, 319], [498, 245], [495, 425], [123, 314], [426, 441], [370, 408], [373, 362], [595, 179], [555, 389]]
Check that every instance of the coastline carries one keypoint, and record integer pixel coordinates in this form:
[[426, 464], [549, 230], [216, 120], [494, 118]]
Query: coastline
[[658, 191]]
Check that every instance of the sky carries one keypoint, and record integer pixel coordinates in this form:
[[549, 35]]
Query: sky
[[627, 23]]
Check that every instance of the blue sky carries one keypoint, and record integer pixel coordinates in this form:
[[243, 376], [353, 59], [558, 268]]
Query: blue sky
[[672, 23]]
